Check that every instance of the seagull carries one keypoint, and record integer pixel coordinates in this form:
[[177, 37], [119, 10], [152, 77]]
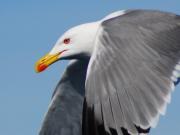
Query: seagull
[[121, 74]]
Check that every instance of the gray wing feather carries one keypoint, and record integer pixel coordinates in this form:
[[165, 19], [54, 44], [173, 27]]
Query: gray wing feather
[[64, 116], [129, 78]]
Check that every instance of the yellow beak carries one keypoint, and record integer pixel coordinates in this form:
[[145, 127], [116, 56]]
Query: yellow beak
[[45, 61]]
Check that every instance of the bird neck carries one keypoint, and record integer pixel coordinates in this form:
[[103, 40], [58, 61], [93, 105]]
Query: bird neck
[[90, 34]]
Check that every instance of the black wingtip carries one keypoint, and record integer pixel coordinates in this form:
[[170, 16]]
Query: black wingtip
[[141, 130]]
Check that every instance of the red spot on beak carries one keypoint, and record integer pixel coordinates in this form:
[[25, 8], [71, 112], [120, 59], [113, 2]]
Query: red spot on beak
[[41, 67]]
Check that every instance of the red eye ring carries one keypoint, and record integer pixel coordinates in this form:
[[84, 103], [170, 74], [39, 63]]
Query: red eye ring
[[67, 41]]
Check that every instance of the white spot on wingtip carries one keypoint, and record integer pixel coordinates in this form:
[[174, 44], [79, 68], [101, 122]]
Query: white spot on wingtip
[[176, 73], [155, 121], [177, 67], [163, 109], [173, 78], [168, 98], [172, 86]]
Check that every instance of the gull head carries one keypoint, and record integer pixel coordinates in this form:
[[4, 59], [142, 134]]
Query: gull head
[[76, 43]]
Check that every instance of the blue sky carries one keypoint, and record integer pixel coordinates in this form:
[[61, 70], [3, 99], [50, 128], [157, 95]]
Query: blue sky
[[28, 30]]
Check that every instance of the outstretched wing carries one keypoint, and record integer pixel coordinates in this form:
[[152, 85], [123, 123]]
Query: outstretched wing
[[65, 111], [131, 73]]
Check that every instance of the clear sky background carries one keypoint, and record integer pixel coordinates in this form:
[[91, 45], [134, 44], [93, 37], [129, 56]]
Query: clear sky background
[[28, 30]]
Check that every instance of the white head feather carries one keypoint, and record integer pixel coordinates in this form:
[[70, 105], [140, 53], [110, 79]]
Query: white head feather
[[82, 39]]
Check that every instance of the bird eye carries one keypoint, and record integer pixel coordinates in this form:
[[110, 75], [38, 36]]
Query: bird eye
[[66, 41]]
